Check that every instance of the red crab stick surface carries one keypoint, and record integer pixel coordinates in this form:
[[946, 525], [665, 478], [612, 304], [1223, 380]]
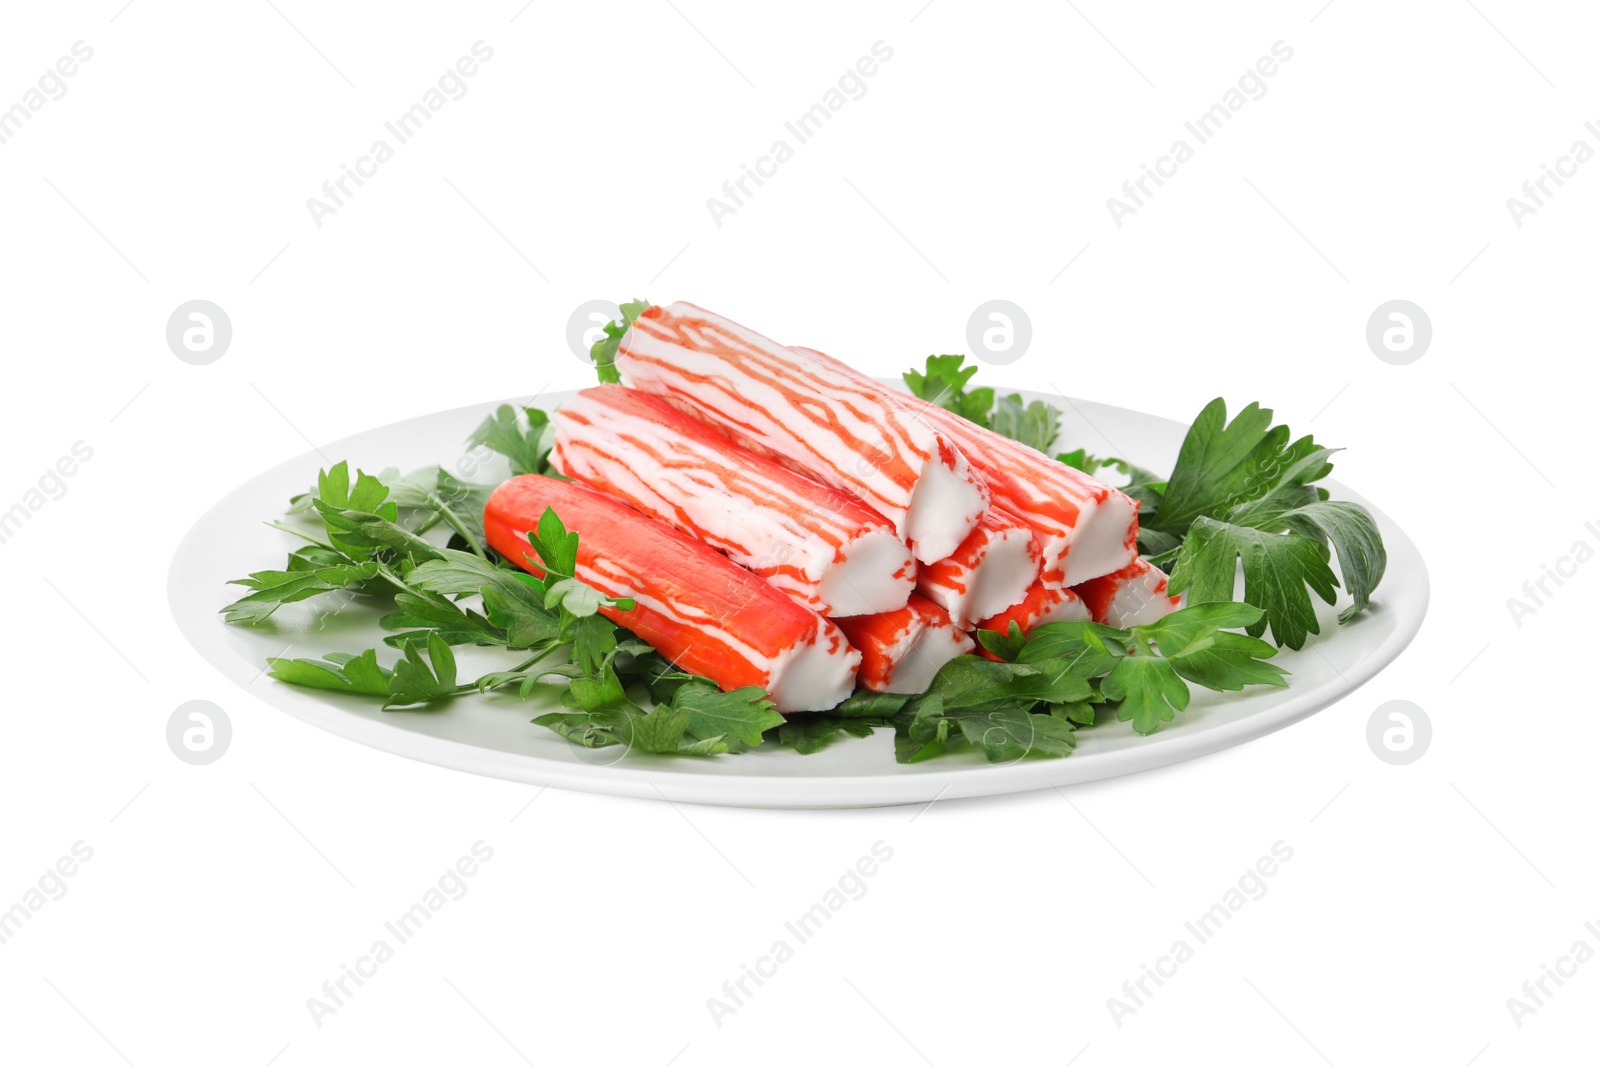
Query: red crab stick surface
[[1084, 527], [1042, 604], [692, 604], [1136, 595], [822, 418], [821, 547], [902, 650], [991, 571]]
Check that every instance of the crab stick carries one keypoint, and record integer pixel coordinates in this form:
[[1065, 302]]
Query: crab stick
[[1136, 595], [902, 650], [1084, 527], [820, 546], [692, 604], [990, 571], [1042, 604], [824, 419]]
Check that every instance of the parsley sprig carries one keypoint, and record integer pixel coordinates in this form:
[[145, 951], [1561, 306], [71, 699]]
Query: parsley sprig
[[372, 546]]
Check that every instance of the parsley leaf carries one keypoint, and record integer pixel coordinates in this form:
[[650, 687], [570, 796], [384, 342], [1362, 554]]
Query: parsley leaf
[[943, 381], [1036, 425], [303, 580], [522, 439], [811, 732], [338, 671], [1278, 569], [1354, 535], [740, 716], [604, 351], [422, 681], [1148, 690], [421, 614], [1006, 646], [1222, 464], [1082, 459]]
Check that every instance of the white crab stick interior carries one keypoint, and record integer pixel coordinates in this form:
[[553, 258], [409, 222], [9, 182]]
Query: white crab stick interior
[[991, 571], [902, 650], [931, 648], [1101, 541], [876, 574], [816, 675], [1136, 595]]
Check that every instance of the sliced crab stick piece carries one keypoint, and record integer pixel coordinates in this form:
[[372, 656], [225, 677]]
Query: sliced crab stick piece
[[989, 572], [1042, 604], [902, 650], [1084, 527], [824, 419], [693, 605], [1136, 595], [820, 546]]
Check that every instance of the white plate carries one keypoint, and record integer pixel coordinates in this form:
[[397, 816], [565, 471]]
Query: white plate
[[494, 735]]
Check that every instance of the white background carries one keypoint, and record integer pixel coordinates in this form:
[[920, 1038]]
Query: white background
[[1377, 166]]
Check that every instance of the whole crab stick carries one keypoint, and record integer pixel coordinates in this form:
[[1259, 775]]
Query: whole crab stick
[[990, 571], [693, 605], [820, 546], [1084, 527], [823, 419], [902, 650], [1136, 595]]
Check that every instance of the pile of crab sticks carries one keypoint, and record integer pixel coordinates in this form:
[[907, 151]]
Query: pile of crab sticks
[[780, 519]]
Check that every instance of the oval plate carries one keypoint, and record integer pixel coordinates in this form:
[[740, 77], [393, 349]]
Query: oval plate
[[493, 735]]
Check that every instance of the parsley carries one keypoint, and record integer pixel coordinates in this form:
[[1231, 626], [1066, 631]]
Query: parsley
[[523, 438], [943, 381], [1035, 424], [1223, 465], [1242, 496], [372, 547], [604, 351], [338, 671], [1082, 459]]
